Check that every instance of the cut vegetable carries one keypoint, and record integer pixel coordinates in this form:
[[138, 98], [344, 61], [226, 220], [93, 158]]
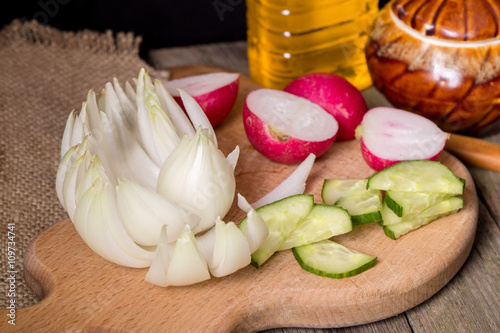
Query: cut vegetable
[[281, 218], [364, 208], [351, 194], [257, 230], [406, 202], [421, 176], [287, 128], [334, 94], [390, 135], [414, 221], [198, 177], [216, 93], [294, 184], [333, 260], [323, 222], [144, 212], [186, 264], [334, 189]]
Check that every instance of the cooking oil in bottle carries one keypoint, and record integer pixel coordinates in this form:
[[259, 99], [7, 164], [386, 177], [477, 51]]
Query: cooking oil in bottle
[[290, 38]]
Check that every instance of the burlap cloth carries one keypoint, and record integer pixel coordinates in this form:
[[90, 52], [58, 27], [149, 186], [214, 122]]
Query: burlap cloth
[[44, 74]]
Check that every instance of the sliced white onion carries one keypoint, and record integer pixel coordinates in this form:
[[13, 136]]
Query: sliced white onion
[[257, 230], [233, 157], [175, 112], [128, 107], [231, 251], [158, 134], [144, 212], [187, 265], [62, 169], [157, 273], [72, 178], [206, 243], [197, 115], [130, 91], [67, 134], [93, 172], [136, 164], [243, 203], [295, 183], [98, 223], [198, 177]]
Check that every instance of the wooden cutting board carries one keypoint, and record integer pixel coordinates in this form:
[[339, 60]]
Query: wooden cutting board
[[82, 292]]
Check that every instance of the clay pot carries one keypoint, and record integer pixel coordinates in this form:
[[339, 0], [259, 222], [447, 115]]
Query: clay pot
[[440, 59]]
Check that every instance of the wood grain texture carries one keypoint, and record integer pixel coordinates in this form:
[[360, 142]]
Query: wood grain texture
[[83, 292]]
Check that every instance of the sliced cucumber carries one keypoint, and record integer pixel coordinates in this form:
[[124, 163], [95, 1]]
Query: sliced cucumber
[[364, 208], [351, 194], [281, 217], [334, 189], [421, 175], [414, 221], [323, 222], [388, 215], [333, 260], [406, 202]]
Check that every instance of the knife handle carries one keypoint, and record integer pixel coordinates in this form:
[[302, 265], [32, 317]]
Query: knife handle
[[474, 151]]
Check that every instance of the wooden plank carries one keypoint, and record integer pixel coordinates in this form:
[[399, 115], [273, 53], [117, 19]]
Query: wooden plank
[[84, 291]]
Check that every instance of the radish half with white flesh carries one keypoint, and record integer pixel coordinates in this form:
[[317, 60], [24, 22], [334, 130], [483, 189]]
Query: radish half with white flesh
[[287, 128], [390, 135], [334, 94], [216, 93]]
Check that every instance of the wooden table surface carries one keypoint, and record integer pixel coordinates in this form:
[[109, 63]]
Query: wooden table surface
[[470, 302]]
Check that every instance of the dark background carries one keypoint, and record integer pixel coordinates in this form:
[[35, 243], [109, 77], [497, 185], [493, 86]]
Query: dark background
[[160, 23]]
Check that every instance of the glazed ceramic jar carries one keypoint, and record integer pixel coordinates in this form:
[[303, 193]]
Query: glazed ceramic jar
[[440, 59]]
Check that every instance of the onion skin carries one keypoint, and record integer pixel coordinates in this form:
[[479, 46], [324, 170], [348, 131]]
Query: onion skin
[[283, 149], [455, 86]]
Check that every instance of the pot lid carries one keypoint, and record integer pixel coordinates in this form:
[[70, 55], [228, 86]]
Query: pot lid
[[460, 20]]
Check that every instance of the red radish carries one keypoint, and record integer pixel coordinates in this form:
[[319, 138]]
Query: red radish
[[390, 135], [287, 128], [216, 93], [334, 94]]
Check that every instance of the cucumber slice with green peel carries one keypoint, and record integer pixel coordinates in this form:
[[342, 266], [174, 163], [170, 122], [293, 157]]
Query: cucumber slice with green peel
[[334, 189], [414, 221], [388, 215], [351, 194], [421, 176], [364, 208], [405, 202], [333, 260], [281, 217], [323, 222]]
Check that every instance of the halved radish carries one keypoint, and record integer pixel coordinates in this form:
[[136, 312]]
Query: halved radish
[[334, 94], [390, 135], [287, 128], [216, 93]]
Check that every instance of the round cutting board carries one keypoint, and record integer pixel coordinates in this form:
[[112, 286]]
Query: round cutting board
[[83, 292]]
